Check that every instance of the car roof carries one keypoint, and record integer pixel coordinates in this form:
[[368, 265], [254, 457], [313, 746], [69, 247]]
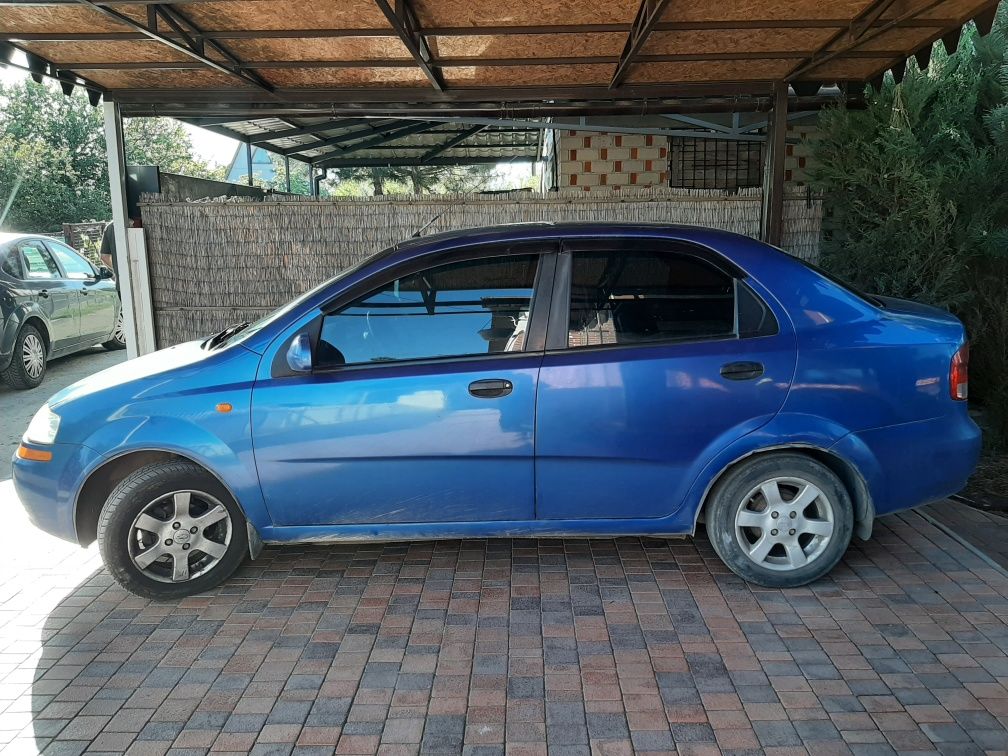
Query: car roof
[[552, 230]]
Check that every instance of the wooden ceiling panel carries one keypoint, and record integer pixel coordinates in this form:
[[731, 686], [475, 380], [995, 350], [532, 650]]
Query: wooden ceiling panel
[[63, 18], [528, 45], [710, 70], [345, 77], [905, 39], [285, 14], [736, 41], [531, 75], [848, 69], [962, 10], [435, 13], [764, 10], [315, 48], [105, 52], [186, 79]]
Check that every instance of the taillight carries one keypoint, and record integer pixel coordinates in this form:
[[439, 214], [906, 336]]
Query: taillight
[[959, 374]]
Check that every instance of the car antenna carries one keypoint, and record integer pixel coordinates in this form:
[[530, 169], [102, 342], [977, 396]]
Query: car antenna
[[429, 223]]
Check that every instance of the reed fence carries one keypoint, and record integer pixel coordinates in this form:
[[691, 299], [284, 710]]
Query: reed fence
[[217, 262]]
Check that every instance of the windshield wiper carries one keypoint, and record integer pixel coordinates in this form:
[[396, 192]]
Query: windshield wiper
[[220, 338]]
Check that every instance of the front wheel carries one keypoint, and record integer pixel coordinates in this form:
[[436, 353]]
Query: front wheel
[[780, 521], [171, 530]]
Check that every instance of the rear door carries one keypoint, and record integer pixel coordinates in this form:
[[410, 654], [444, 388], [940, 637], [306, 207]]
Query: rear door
[[56, 296], [658, 355], [97, 296]]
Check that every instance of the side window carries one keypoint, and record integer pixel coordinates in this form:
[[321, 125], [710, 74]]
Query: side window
[[76, 267], [466, 308], [640, 297], [10, 263], [38, 263]]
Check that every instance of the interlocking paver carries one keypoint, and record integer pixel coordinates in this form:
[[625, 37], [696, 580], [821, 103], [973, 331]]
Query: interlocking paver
[[510, 646]]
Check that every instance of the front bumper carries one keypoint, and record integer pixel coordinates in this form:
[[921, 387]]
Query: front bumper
[[48, 490]]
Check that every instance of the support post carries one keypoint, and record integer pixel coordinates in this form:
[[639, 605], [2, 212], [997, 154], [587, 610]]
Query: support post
[[115, 148], [772, 216], [287, 172], [248, 160]]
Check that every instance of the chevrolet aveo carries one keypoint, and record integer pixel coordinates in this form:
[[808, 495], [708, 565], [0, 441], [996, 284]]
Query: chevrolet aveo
[[534, 380]]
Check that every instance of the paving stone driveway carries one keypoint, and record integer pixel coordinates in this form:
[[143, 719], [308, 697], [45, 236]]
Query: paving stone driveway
[[607, 646]]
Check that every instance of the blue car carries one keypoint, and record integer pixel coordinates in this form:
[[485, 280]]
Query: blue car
[[531, 380]]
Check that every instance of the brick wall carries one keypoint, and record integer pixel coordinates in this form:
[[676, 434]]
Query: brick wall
[[75, 234], [588, 160], [797, 157]]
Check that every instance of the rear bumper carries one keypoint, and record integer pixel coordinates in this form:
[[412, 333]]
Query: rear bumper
[[48, 490], [916, 463]]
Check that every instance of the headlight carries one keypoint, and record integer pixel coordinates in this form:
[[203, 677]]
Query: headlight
[[43, 427]]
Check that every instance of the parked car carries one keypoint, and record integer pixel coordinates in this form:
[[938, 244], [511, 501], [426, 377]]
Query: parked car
[[532, 380], [53, 302]]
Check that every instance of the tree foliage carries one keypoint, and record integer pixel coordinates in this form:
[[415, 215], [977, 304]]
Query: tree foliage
[[52, 156], [918, 185], [424, 179]]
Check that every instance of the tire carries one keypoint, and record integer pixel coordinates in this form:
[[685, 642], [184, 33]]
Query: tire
[[28, 363], [740, 520], [118, 340], [143, 549]]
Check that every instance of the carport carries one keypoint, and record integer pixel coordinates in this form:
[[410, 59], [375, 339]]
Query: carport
[[415, 82], [484, 647]]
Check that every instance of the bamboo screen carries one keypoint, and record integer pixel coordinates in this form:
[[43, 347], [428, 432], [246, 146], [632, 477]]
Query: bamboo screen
[[214, 263]]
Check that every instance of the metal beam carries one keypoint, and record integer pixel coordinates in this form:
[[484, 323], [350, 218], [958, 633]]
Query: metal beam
[[181, 47], [854, 31], [381, 162], [339, 141], [647, 16], [407, 27], [115, 148], [391, 136], [314, 130], [454, 142], [454, 31], [772, 217]]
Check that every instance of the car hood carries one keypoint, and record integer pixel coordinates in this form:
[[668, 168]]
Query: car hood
[[162, 362]]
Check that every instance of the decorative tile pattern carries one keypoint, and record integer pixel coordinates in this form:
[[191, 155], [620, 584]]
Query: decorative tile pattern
[[517, 646]]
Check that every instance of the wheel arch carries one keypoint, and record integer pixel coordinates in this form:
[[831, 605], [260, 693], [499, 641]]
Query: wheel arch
[[100, 482], [848, 473], [39, 323]]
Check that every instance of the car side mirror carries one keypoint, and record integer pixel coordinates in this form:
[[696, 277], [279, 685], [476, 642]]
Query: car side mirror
[[105, 272], [299, 354]]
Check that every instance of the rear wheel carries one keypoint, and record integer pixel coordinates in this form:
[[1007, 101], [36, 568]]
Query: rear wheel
[[780, 521], [171, 530], [28, 363], [118, 340]]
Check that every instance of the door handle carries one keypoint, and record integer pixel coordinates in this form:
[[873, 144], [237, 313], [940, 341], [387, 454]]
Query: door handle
[[84, 292], [741, 371], [490, 388], [44, 294]]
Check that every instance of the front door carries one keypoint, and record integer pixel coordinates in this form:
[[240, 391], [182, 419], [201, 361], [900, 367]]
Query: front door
[[665, 357], [56, 296], [420, 407], [98, 296]]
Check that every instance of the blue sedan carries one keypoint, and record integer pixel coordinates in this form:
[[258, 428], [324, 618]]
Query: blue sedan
[[533, 380]]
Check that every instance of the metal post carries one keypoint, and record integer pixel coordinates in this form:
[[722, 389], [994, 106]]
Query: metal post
[[115, 148], [772, 218], [287, 171], [248, 160]]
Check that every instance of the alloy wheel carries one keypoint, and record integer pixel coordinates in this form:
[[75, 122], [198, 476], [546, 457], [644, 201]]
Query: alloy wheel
[[180, 536], [784, 523], [118, 334], [33, 356]]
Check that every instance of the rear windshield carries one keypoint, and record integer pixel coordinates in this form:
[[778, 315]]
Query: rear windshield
[[868, 298]]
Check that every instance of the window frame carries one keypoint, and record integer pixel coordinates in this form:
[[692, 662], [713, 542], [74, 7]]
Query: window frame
[[20, 243], [558, 334], [535, 339]]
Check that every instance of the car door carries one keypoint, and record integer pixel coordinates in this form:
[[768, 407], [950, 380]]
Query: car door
[[658, 354], [56, 296], [97, 296], [421, 403]]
